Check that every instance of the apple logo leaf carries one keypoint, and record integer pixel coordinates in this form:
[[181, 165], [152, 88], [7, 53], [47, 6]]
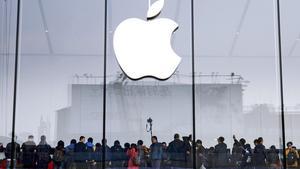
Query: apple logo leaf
[[155, 9]]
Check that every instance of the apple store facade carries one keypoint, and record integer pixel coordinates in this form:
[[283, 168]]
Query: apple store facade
[[201, 69]]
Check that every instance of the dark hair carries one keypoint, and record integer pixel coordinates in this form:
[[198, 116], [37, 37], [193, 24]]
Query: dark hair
[[60, 144], [30, 137], [199, 142], [133, 146], [221, 139], [289, 143], [73, 141], [127, 145], [98, 145], [176, 136], [81, 137], [117, 143], [90, 139], [154, 137], [260, 140], [273, 147], [255, 141], [140, 142], [242, 141]]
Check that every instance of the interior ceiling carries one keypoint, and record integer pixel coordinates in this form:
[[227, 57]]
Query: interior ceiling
[[244, 28]]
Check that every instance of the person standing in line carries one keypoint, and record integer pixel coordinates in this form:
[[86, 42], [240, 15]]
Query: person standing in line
[[156, 153], [43, 154], [259, 154], [221, 153], [292, 155], [116, 155], [80, 153], [69, 156], [28, 152], [132, 153], [176, 152], [59, 155]]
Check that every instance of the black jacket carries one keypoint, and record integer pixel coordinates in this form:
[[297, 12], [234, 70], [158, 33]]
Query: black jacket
[[259, 155], [8, 151], [176, 150], [28, 153], [221, 155]]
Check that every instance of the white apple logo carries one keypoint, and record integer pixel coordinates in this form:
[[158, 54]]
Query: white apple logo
[[143, 48]]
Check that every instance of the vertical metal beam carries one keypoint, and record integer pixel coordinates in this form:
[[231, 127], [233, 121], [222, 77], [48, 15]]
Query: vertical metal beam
[[13, 153], [281, 82], [104, 87], [193, 83]]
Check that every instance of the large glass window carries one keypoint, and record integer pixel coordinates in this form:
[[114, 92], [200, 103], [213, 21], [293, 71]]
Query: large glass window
[[61, 90], [291, 61], [60, 80], [168, 103], [237, 94], [7, 55]]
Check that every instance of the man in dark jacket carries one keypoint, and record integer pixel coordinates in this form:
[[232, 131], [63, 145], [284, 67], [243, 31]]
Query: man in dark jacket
[[80, 150], [156, 153], [28, 153], [259, 154], [221, 153], [116, 155], [8, 154], [176, 152]]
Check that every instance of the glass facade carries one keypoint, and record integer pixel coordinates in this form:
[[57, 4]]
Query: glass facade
[[222, 107]]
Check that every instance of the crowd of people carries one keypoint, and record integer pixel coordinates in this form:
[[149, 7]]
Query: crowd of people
[[176, 154]]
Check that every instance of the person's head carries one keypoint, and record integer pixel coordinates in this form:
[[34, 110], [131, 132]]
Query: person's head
[[176, 136], [164, 144], [273, 147], [127, 145], [104, 141], [117, 143], [60, 144], [90, 139], [98, 145], [294, 148], [221, 139], [140, 142], [255, 142], [73, 141], [43, 138], [289, 144], [30, 138], [82, 139], [242, 141], [154, 139], [260, 140], [133, 146], [199, 142]]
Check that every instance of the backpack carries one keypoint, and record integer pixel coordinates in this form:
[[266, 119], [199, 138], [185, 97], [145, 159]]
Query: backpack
[[58, 155], [291, 158]]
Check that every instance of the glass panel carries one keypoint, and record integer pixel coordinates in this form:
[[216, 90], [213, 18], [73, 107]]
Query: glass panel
[[236, 85], [291, 62], [60, 82], [7, 59], [130, 104]]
